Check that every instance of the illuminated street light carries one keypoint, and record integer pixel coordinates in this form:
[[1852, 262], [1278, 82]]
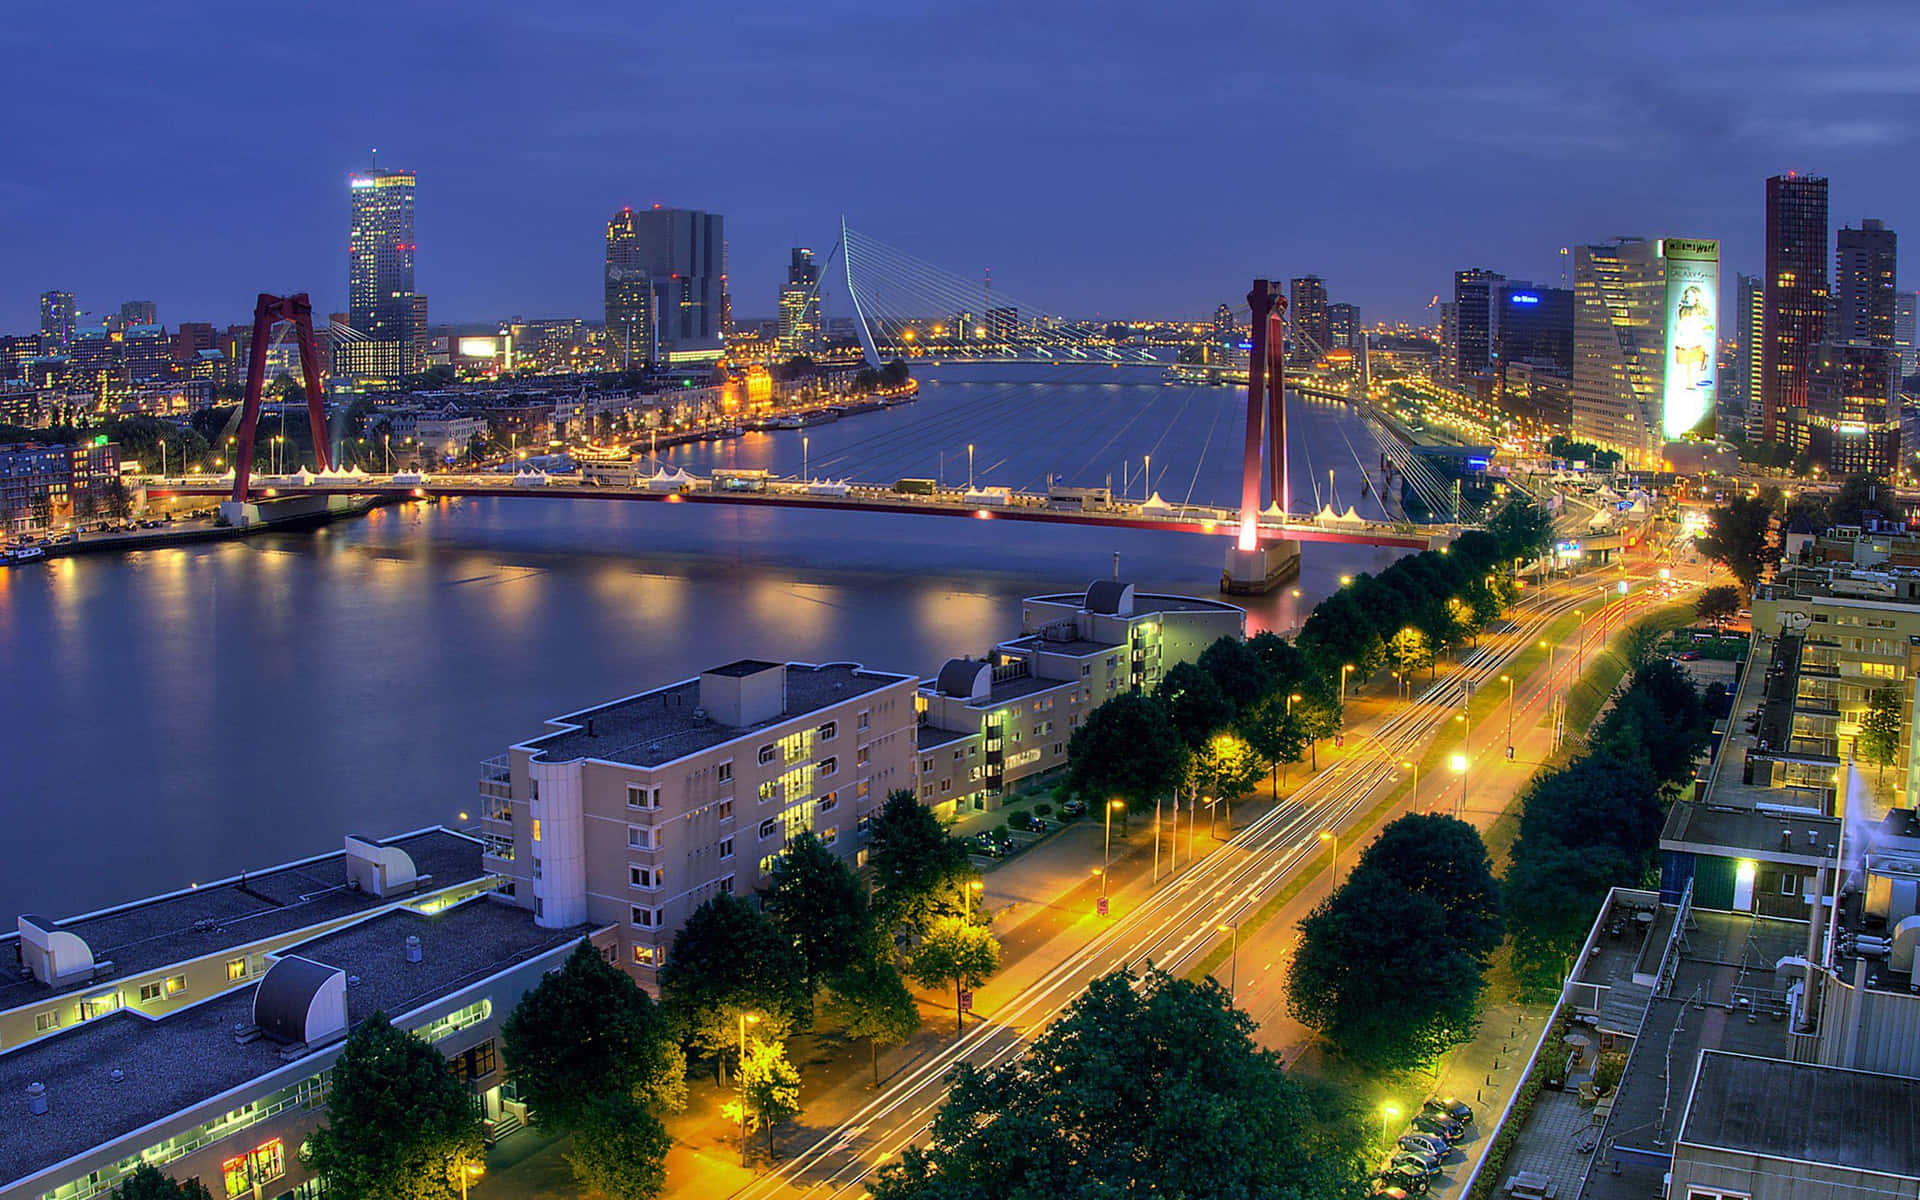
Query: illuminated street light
[[746, 1019], [1233, 958], [1328, 835]]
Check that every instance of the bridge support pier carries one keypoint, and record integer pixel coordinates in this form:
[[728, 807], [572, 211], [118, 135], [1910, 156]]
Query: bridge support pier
[[1261, 569]]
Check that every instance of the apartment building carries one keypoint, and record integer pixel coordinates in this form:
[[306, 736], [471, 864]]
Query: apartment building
[[634, 813], [987, 724]]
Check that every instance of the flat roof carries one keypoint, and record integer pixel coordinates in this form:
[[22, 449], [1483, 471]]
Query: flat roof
[[1831, 1115], [930, 737], [1146, 604], [189, 1056], [661, 725], [1752, 833], [1073, 648], [148, 934]]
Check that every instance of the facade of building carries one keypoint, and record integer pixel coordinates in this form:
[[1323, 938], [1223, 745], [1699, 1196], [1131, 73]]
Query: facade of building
[[676, 258], [1473, 321], [1865, 264], [801, 331], [1618, 344], [380, 258], [1903, 333], [1343, 327], [1852, 420], [41, 485], [634, 813], [628, 293], [1308, 320], [1752, 332], [1534, 325], [138, 312], [57, 321], [1796, 298]]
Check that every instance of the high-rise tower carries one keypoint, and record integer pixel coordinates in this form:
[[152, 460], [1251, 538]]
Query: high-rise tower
[[629, 294], [800, 325], [1311, 325], [1473, 321], [380, 249], [1796, 298], [681, 257], [1619, 346], [56, 322], [1863, 279]]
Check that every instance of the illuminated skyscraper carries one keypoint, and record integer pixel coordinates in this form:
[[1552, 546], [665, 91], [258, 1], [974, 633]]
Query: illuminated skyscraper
[[629, 295], [56, 322], [677, 256], [1308, 320], [1752, 324], [1473, 321], [1796, 298], [1619, 347], [1863, 280], [1903, 333], [138, 312], [800, 325], [380, 249], [1343, 327]]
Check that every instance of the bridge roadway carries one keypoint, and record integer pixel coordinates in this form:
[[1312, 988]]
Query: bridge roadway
[[789, 493], [1172, 925]]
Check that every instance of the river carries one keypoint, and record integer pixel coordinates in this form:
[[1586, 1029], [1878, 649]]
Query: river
[[179, 715]]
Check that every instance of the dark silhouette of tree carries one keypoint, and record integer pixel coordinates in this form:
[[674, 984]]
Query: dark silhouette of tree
[[399, 1126]]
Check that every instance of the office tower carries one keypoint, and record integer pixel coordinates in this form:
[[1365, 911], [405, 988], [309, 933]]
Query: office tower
[[1449, 343], [1307, 320], [1226, 326], [1473, 318], [800, 325], [138, 312], [1851, 424], [1619, 347], [1903, 333], [419, 331], [56, 321], [1751, 323], [677, 257], [1533, 325], [1796, 298], [1863, 275], [1343, 327], [380, 251]]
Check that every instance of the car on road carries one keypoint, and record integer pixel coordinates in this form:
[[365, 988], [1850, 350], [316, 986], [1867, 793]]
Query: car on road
[[1075, 807], [1449, 1106], [1446, 1127], [1425, 1143], [1410, 1181], [991, 845]]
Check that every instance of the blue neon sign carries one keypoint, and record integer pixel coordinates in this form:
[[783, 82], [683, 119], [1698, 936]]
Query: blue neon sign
[[1523, 298]]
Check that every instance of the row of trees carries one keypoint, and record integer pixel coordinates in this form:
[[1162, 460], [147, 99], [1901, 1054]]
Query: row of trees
[[1593, 824], [1391, 965], [1741, 533]]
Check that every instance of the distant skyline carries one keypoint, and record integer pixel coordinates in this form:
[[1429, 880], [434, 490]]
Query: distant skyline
[[1101, 160]]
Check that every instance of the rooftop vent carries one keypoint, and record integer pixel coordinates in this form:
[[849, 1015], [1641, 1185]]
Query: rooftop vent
[[590, 732], [37, 1099], [379, 870], [301, 1002], [117, 1075], [413, 948]]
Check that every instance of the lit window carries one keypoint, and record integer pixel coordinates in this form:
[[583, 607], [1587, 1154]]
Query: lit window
[[536, 829], [724, 772], [724, 810], [827, 803], [830, 836], [644, 956], [827, 766], [176, 984], [236, 969]]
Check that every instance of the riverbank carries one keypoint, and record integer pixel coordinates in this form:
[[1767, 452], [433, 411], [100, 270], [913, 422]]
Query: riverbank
[[202, 530]]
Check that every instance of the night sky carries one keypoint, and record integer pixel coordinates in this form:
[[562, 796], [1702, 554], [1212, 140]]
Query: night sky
[[1112, 158]]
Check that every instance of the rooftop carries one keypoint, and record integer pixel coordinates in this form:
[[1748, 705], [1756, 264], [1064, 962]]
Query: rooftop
[[1145, 604], [1073, 647], [1801, 839], [201, 920], [667, 723], [190, 1056], [1805, 1112]]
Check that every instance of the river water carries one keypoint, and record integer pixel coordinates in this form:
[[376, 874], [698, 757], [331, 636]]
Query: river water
[[178, 715]]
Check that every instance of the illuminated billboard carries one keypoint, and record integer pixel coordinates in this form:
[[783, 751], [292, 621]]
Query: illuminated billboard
[[478, 347], [1693, 320]]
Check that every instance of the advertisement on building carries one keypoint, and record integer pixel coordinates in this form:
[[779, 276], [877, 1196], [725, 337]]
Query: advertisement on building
[[1693, 319]]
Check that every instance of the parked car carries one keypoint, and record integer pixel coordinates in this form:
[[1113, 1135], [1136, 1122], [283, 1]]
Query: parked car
[[990, 845], [1425, 1143], [1413, 1160], [1384, 1191], [1446, 1127], [1029, 823], [1075, 807], [1450, 1106], [1411, 1181]]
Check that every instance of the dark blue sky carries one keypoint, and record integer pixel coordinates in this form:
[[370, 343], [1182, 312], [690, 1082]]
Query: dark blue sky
[[1127, 159]]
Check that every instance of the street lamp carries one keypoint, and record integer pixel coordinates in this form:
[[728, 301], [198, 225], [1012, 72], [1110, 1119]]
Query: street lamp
[[1388, 1113], [1413, 765], [1107, 856], [1459, 764], [1328, 835], [468, 1173], [1233, 958], [1344, 669], [746, 1019], [805, 444], [976, 885], [1508, 680]]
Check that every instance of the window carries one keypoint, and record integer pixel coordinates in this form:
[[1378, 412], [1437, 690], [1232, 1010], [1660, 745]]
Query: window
[[766, 755], [767, 827], [926, 791], [960, 755], [946, 785], [639, 838], [475, 1063], [724, 772], [724, 810], [644, 956], [236, 969], [768, 790], [149, 992], [642, 797], [827, 766], [827, 803], [536, 829], [726, 847], [863, 756], [1789, 885], [861, 789], [926, 764], [864, 823], [643, 917], [645, 877], [830, 836], [99, 1006], [176, 984], [49, 1020], [726, 884], [826, 732], [862, 722]]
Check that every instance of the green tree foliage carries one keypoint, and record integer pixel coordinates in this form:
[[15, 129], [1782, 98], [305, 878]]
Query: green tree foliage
[[1444, 860], [1718, 604], [620, 1149], [728, 960], [1522, 530], [869, 1000], [917, 868], [1144, 1088], [1127, 748], [820, 905], [585, 1033], [1272, 733], [895, 374], [1740, 537], [1858, 497], [770, 1084], [1238, 670], [1880, 728], [147, 1183], [399, 1125], [1193, 702], [1412, 651], [958, 952]]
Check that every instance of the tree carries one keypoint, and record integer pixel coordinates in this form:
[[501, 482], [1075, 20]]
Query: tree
[[1194, 703], [770, 1084], [1238, 670], [958, 952], [870, 1000], [814, 898], [1740, 537], [917, 868], [1879, 740], [1523, 530], [1272, 733], [1444, 859], [1226, 768], [147, 1183], [476, 447], [587, 1033], [1857, 497], [895, 374], [620, 1149], [1127, 748], [729, 960], [1717, 604], [399, 1125], [1411, 651], [1146, 1086], [116, 500], [1381, 976]]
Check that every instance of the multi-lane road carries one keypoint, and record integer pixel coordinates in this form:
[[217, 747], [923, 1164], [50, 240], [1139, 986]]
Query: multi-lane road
[[1176, 922]]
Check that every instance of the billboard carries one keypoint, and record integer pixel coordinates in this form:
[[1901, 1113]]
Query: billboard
[[1693, 321]]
